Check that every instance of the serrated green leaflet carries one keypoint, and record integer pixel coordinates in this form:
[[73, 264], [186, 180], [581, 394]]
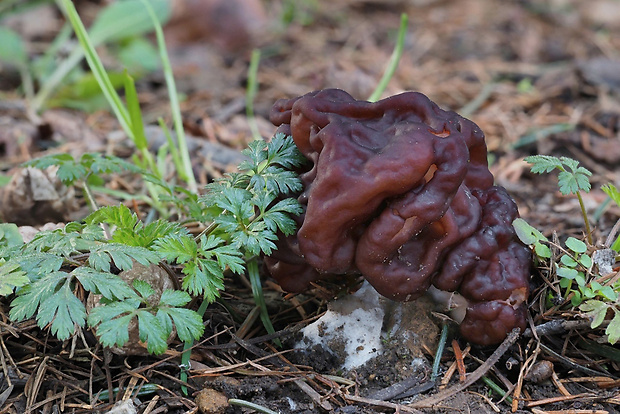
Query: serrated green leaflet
[[108, 285], [10, 235], [152, 332], [70, 170], [144, 289], [27, 302], [63, 311], [187, 322], [177, 249], [571, 178], [203, 277], [174, 298], [11, 277], [122, 255], [112, 332]]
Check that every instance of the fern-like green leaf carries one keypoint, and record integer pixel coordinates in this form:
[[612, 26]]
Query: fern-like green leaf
[[170, 310], [122, 255], [571, 179], [174, 298], [108, 285], [152, 332], [187, 322], [203, 277], [37, 264], [11, 276], [177, 248], [10, 235], [65, 242], [119, 216], [144, 289], [69, 170], [63, 311], [227, 256], [30, 297], [282, 151], [112, 322], [543, 163]]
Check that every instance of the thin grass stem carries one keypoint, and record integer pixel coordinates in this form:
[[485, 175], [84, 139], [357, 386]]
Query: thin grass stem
[[250, 94], [186, 173], [393, 62]]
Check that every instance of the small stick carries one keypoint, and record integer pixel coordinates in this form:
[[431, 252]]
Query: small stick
[[561, 387], [473, 377], [556, 399], [379, 403], [453, 367], [460, 364], [557, 326]]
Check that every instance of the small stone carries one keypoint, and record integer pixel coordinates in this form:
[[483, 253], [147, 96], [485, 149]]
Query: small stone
[[123, 407], [605, 260], [210, 401]]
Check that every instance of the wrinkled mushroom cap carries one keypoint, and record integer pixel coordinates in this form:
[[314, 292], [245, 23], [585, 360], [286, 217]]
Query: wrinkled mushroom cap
[[399, 191]]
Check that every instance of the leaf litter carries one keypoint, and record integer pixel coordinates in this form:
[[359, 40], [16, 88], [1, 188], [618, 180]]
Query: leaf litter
[[538, 78]]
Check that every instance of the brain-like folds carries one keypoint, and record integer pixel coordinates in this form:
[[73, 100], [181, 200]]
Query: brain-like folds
[[399, 191]]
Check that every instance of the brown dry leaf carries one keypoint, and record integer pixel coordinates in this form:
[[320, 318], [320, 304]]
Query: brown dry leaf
[[70, 126], [229, 24], [16, 137], [35, 197]]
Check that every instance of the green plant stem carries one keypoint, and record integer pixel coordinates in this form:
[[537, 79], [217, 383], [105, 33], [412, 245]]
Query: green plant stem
[[251, 93], [393, 62], [97, 68], [174, 153], [259, 299], [94, 207], [247, 404], [187, 350], [496, 388], [440, 347], [146, 389], [585, 218], [187, 173]]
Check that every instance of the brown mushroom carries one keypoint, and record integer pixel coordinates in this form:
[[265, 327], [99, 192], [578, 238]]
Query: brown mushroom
[[399, 191]]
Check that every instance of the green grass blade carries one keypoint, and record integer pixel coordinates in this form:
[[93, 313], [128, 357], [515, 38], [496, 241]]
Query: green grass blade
[[259, 299], [174, 152], [251, 93], [137, 126], [107, 26], [97, 68], [187, 350], [187, 173], [251, 405], [394, 59], [135, 115]]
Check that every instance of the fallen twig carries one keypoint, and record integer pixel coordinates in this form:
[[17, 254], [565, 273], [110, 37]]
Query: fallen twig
[[475, 376], [379, 403], [557, 326]]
